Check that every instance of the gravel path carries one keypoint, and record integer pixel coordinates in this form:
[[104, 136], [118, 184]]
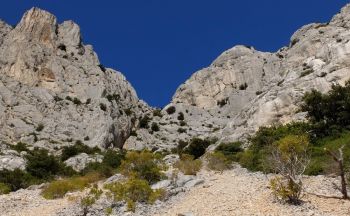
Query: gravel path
[[233, 192], [238, 192]]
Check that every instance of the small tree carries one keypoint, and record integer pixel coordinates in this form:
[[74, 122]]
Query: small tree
[[289, 158], [340, 160]]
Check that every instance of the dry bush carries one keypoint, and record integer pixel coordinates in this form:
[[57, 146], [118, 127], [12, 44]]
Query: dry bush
[[187, 165]]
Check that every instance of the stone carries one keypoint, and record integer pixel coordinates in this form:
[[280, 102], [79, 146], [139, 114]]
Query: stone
[[80, 161]]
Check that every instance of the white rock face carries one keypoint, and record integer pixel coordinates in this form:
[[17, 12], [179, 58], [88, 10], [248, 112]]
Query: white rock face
[[79, 162], [248, 89], [50, 79]]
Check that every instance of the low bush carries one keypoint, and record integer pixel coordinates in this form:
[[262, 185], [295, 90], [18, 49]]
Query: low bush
[[77, 148], [218, 161], [134, 190], [171, 110], [230, 150], [286, 190], [188, 165], [58, 188], [157, 112], [113, 158], [144, 121], [103, 107], [40, 127], [180, 116], [19, 147], [181, 130], [155, 127], [4, 188], [42, 165], [16, 179], [143, 165], [197, 147]]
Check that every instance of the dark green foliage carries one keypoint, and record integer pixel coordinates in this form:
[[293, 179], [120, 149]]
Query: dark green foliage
[[329, 113], [79, 147], [155, 127], [182, 123], [144, 121], [103, 106], [133, 133], [57, 98], [143, 165], [171, 110], [181, 130], [87, 138], [16, 179], [197, 147], [76, 101], [261, 143], [40, 127], [112, 97], [69, 98], [42, 165], [128, 111], [20, 147], [222, 102], [88, 101], [180, 116], [158, 113], [113, 158], [243, 86], [230, 150]]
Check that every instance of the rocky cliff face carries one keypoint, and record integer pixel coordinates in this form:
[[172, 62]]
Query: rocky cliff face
[[254, 89], [54, 91]]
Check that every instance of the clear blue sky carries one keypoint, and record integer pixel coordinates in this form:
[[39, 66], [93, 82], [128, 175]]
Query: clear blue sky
[[158, 44]]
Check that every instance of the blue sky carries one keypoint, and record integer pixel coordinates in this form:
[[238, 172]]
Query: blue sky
[[158, 44]]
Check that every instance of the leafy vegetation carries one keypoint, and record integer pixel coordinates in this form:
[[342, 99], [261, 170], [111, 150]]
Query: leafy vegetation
[[134, 190], [77, 148], [143, 165], [58, 188], [188, 165], [170, 110], [218, 161]]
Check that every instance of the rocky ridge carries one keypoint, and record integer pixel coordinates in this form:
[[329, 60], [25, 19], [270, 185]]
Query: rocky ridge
[[54, 91]]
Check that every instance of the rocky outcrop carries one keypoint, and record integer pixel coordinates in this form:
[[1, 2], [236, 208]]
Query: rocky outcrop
[[54, 91], [248, 89]]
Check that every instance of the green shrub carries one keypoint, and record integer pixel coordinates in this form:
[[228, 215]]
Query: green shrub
[[143, 165], [286, 190], [58, 188], [243, 86], [77, 148], [144, 121], [171, 110], [113, 158], [42, 165], [128, 111], [197, 147], [157, 112], [187, 165], [111, 97], [134, 190], [40, 127], [155, 127], [20, 147], [76, 101], [16, 179], [230, 150], [103, 107], [91, 198], [218, 161], [181, 130], [180, 116], [4, 188]]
